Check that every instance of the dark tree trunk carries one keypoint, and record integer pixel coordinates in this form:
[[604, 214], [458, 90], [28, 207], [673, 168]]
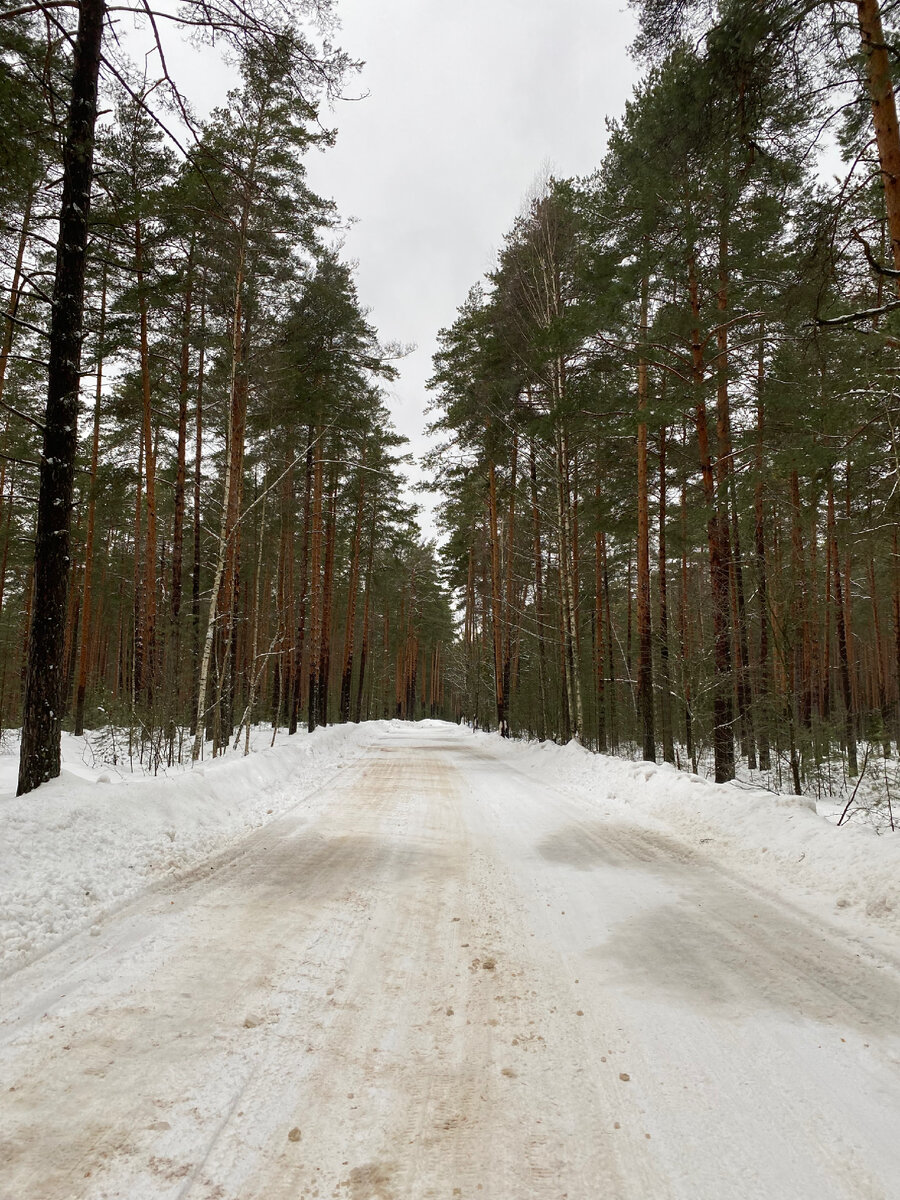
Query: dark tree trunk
[[717, 534], [81, 688], [300, 656], [538, 595], [352, 589], [496, 604], [364, 643], [763, 687], [849, 721], [665, 683], [42, 709], [645, 632], [181, 466]]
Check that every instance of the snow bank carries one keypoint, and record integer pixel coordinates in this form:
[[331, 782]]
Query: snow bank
[[88, 841], [779, 838]]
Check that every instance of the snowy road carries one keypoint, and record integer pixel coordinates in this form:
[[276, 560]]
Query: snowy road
[[453, 981]]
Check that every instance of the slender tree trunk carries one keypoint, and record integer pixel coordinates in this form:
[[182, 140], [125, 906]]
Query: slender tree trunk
[[146, 675], [364, 640], [315, 605], [689, 747], [327, 601], [665, 682], [599, 638], [352, 588], [230, 499], [81, 687], [884, 113], [569, 600], [198, 480], [849, 722], [611, 675], [759, 528], [181, 452], [723, 732], [300, 683], [645, 631], [496, 603], [42, 708], [879, 676], [538, 594], [509, 606]]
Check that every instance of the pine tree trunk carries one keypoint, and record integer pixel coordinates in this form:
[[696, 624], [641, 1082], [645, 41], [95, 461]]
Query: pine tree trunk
[[181, 452], [645, 631], [599, 639], [849, 723], [763, 687], [568, 598], [496, 603], [300, 684], [510, 607], [689, 747], [42, 708], [327, 602], [884, 113], [198, 480], [611, 675], [146, 668], [723, 719], [879, 679], [315, 606], [364, 640], [226, 558], [665, 682], [538, 594], [352, 589], [81, 687]]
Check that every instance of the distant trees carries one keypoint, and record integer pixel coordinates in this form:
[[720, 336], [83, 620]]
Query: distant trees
[[668, 416], [224, 540]]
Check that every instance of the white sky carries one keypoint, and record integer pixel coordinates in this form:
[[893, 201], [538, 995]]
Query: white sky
[[466, 103]]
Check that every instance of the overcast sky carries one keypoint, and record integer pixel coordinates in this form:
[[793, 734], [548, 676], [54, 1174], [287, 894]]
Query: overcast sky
[[467, 100], [465, 104]]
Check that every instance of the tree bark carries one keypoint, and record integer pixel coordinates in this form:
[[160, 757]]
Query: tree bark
[[665, 682], [181, 453], [352, 588], [42, 709], [763, 681], [496, 603], [884, 114], [81, 687], [538, 594], [723, 716], [849, 721], [645, 631]]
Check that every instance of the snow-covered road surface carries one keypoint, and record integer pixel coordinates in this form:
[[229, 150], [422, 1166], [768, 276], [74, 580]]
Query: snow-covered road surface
[[453, 980]]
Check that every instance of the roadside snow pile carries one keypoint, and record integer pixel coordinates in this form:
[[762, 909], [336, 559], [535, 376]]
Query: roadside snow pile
[[83, 844], [778, 837]]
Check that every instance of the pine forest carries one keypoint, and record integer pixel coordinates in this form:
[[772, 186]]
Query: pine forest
[[664, 422]]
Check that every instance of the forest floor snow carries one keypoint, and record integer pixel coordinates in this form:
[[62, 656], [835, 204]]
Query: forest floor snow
[[444, 965]]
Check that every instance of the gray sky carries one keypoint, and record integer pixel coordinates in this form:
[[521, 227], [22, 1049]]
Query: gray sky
[[467, 101]]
